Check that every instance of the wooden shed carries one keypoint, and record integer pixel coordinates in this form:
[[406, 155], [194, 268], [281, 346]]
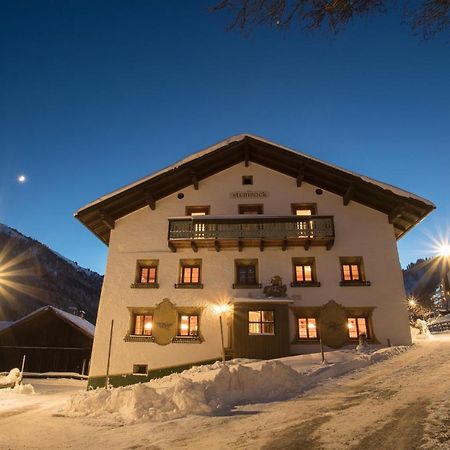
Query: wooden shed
[[52, 340]]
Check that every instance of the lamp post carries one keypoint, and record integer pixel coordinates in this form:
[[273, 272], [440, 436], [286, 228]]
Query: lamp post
[[221, 309], [444, 255]]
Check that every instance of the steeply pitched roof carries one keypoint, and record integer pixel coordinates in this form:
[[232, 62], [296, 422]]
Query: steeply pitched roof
[[83, 325], [403, 208]]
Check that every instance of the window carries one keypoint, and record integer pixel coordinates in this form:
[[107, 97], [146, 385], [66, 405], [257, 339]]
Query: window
[[146, 273], [261, 322], [357, 326], [352, 271], [247, 179], [246, 273], [190, 273], [304, 272], [143, 324], [251, 209], [197, 210], [307, 328], [188, 325], [140, 369], [304, 209]]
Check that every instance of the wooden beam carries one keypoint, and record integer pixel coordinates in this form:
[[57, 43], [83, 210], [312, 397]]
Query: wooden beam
[[172, 247], [246, 156], [300, 175], [107, 220], [307, 244], [150, 201], [240, 245], [261, 245], [348, 194], [194, 179], [284, 245], [217, 245], [330, 244], [194, 246], [395, 212]]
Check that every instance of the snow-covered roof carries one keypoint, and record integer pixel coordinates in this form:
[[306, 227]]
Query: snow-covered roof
[[4, 324], [86, 327], [404, 208]]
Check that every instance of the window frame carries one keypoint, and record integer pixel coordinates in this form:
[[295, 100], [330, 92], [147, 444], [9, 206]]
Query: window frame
[[261, 322], [308, 338], [246, 178], [367, 326], [304, 262], [299, 206], [257, 208], [189, 264], [189, 315], [353, 261], [142, 264], [245, 263], [134, 325], [202, 210]]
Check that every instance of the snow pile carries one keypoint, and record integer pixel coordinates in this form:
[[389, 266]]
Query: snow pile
[[232, 385], [10, 380], [23, 389]]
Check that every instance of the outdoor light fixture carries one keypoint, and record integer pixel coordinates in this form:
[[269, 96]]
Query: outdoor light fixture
[[411, 302]]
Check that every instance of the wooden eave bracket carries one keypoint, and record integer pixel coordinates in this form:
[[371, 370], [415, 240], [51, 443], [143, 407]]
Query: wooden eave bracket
[[172, 247], [300, 175], [217, 245], [107, 220], [246, 156], [348, 194], [194, 246], [150, 200], [307, 244], [261, 245], [194, 179]]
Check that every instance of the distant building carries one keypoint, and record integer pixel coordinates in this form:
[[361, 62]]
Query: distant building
[[296, 247], [52, 340]]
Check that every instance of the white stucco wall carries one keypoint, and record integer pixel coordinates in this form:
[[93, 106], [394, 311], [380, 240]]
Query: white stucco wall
[[360, 231]]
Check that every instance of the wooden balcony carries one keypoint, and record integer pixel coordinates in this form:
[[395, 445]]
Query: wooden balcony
[[221, 232]]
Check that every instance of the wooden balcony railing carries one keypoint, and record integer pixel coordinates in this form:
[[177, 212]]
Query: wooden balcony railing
[[204, 231]]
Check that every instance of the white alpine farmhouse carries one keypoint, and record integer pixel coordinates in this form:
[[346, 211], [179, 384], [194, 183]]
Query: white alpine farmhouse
[[276, 246]]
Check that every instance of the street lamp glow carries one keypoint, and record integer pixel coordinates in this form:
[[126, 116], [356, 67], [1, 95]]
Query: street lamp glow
[[444, 250], [411, 302], [220, 309]]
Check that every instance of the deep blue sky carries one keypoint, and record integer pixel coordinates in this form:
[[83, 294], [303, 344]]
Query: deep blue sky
[[95, 94]]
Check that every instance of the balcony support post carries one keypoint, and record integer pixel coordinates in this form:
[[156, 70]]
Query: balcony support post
[[194, 246], [217, 245]]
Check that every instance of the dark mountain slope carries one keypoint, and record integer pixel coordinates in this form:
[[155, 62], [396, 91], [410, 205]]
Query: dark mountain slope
[[32, 275]]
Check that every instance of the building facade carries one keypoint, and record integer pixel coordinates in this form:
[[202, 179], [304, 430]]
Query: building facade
[[294, 247]]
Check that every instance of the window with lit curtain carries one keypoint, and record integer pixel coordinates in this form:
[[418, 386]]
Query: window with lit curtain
[[303, 272], [307, 328], [190, 275], [261, 322], [351, 272], [143, 325], [357, 326], [188, 325], [148, 274]]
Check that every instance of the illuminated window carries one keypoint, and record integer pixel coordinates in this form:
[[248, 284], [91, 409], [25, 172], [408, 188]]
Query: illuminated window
[[190, 275], [357, 326], [148, 275], [304, 209], [304, 272], [307, 328], [188, 325], [197, 210], [261, 322], [352, 270], [143, 325], [246, 272]]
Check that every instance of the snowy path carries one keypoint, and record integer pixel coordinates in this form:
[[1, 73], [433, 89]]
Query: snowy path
[[401, 403]]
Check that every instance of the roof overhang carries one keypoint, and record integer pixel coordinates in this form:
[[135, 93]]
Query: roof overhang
[[404, 209]]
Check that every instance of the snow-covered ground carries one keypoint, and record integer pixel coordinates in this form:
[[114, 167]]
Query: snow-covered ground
[[392, 399]]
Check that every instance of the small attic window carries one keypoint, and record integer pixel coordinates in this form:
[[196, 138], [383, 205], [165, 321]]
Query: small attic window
[[247, 179]]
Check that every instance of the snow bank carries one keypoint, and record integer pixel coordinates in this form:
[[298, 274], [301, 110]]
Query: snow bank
[[10, 380], [232, 385]]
